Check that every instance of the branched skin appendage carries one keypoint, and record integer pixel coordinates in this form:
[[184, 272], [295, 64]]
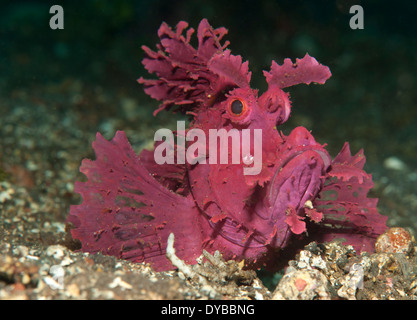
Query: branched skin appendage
[[283, 189]]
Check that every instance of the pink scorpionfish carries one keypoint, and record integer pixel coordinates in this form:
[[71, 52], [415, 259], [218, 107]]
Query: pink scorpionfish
[[131, 204]]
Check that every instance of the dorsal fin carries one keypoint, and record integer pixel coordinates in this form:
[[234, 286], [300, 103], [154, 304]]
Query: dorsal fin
[[189, 77]]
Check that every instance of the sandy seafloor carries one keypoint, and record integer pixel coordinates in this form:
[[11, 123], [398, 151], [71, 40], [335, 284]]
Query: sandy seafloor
[[59, 87]]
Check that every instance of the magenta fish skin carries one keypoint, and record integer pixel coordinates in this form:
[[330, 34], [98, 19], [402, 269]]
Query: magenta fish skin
[[131, 204]]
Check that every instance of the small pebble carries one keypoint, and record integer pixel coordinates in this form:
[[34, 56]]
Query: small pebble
[[73, 290], [394, 163], [307, 284], [118, 282], [21, 251], [56, 251], [394, 240]]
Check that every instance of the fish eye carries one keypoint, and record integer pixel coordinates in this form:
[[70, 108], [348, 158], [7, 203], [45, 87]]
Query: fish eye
[[238, 110], [236, 107]]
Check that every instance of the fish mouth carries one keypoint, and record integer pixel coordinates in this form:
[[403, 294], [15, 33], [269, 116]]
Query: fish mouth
[[297, 151], [294, 153]]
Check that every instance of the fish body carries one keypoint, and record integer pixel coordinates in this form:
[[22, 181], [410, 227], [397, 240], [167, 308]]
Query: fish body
[[251, 206]]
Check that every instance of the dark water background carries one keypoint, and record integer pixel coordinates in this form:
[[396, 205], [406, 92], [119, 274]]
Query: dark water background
[[371, 99]]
